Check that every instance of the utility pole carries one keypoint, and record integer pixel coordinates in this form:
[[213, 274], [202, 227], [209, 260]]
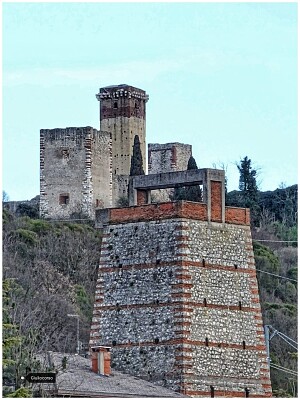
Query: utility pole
[[76, 316], [267, 340]]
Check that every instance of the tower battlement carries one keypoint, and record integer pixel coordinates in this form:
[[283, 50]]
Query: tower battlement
[[117, 91]]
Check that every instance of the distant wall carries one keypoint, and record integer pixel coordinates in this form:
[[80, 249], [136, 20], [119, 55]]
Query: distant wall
[[167, 157], [75, 166]]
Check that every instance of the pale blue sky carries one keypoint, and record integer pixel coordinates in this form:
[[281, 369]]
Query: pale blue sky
[[220, 76]]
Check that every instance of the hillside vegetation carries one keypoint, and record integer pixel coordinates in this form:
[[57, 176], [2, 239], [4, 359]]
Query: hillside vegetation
[[49, 271]]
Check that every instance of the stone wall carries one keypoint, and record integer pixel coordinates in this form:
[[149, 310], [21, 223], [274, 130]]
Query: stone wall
[[167, 157], [177, 300], [120, 189], [75, 167], [101, 169]]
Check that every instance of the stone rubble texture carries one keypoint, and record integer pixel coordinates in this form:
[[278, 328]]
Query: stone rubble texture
[[177, 299]]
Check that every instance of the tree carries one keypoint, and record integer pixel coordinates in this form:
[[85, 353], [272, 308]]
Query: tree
[[12, 342], [5, 196], [136, 167], [190, 193], [247, 181], [27, 209]]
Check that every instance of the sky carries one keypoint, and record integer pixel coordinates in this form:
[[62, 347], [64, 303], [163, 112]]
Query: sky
[[220, 76]]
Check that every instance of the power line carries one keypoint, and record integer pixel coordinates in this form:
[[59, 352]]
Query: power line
[[278, 276], [282, 336], [282, 369], [288, 337], [276, 241], [287, 341]]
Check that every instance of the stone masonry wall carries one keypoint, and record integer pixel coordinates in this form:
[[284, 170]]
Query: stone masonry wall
[[177, 300], [75, 171], [123, 114], [101, 169], [167, 157]]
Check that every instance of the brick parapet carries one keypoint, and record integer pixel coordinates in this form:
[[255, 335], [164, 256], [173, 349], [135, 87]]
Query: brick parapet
[[170, 210]]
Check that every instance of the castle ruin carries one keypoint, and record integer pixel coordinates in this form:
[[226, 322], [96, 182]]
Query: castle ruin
[[177, 296], [84, 169]]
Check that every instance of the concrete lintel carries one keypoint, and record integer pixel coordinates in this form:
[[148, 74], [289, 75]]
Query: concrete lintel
[[179, 178]]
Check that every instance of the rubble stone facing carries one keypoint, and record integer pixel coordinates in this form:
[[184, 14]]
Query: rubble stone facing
[[225, 244], [158, 324], [223, 326], [236, 287], [177, 300]]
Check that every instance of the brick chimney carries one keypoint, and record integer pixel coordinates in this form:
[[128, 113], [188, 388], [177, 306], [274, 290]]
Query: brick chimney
[[100, 356]]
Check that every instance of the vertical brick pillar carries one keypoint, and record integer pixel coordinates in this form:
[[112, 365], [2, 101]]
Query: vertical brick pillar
[[216, 201]]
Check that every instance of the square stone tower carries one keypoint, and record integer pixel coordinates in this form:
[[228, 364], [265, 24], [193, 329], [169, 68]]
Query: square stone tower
[[75, 172], [177, 295], [123, 114]]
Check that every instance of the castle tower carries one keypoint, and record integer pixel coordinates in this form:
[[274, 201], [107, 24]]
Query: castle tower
[[75, 172], [177, 295], [123, 114]]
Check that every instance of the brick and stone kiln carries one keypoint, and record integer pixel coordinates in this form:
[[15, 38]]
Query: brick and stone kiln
[[177, 296]]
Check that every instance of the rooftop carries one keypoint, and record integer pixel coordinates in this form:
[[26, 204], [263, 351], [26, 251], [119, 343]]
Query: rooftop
[[77, 380]]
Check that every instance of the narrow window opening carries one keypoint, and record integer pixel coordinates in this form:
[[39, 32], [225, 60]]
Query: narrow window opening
[[205, 302], [244, 344], [115, 104], [240, 305], [203, 262], [247, 391], [157, 262], [206, 341], [235, 266], [114, 343], [212, 391], [156, 341], [64, 199]]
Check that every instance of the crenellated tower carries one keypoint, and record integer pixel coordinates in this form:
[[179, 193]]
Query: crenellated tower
[[123, 114]]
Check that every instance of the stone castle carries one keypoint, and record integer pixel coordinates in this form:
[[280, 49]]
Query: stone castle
[[83, 169], [177, 296]]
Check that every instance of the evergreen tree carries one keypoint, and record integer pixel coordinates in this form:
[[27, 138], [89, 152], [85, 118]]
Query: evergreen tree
[[190, 193], [136, 167], [247, 181], [248, 189]]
